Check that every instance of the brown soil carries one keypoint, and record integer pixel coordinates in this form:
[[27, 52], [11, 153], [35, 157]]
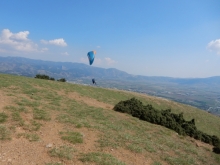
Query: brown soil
[[20, 151], [4, 101]]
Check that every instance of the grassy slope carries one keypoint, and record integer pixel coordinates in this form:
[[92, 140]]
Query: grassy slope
[[121, 132]]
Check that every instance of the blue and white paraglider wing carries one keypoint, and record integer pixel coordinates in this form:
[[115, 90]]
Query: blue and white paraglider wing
[[91, 56]]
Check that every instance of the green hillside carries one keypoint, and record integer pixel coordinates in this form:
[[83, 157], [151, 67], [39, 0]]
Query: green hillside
[[53, 123]]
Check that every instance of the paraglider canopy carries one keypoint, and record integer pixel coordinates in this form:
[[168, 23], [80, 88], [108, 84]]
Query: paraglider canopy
[[91, 56]]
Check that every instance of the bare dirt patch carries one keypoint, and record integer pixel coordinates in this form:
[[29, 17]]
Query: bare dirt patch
[[4, 100], [129, 157]]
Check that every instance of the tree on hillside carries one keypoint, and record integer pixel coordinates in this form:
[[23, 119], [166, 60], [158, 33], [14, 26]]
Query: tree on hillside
[[52, 79], [62, 80], [45, 77]]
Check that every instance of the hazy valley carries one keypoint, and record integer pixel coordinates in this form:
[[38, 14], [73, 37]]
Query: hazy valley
[[203, 93]]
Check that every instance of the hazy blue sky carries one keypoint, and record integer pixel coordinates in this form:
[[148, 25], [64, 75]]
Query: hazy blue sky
[[176, 38]]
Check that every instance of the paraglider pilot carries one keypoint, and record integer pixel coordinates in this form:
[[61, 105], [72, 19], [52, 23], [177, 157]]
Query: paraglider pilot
[[93, 81], [91, 57]]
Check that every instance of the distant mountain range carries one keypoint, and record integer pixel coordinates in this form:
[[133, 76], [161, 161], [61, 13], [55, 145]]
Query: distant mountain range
[[71, 71], [203, 93], [68, 70]]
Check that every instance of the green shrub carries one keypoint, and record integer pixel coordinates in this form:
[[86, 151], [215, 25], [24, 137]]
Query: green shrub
[[62, 80], [167, 119], [45, 77], [215, 141], [100, 159], [3, 117], [40, 114], [72, 137], [42, 76], [216, 150], [52, 79], [206, 138], [62, 152], [4, 133], [198, 135]]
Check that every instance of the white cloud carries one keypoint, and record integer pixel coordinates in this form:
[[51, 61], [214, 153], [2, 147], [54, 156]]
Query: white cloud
[[16, 41], [214, 46], [44, 49], [65, 54], [20, 36], [57, 42], [44, 41], [98, 46], [3, 50], [110, 61]]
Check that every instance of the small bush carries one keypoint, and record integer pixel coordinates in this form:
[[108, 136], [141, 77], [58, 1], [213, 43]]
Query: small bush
[[3, 117], [62, 80], [62, 152], [42, 76], [17, 117], [100, 159], [215, 141], [132, 106], [72, 137], [4, 133], [216, 150], [30, 137], [41, 114], [33, 126], [52, 79], [45, 77]]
